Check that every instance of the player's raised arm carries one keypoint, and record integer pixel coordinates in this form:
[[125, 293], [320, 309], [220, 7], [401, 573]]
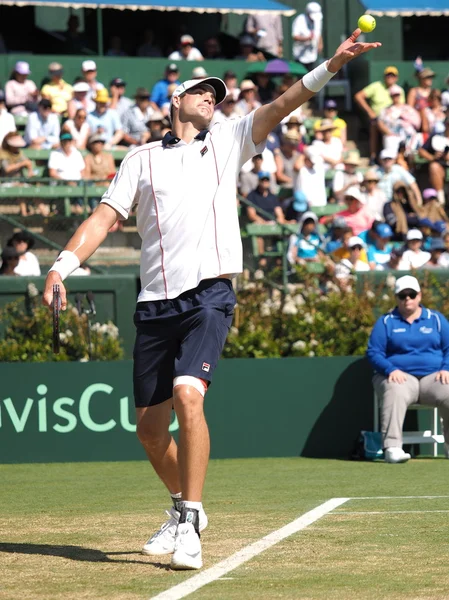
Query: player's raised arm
[[268, 116]]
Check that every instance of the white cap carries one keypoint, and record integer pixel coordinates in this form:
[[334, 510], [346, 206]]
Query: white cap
[[387, 153], [199, 73], [356, 193], [313, 7], [81, 86], [187, 39], [355, 240], [89, 65], [22, 67], [221, 91], [406, 283], [414, 234]]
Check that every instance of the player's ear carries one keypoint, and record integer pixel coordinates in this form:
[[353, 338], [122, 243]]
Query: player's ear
[[176, 101]]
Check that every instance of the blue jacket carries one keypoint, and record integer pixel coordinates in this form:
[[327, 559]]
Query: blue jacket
[[417, 348]]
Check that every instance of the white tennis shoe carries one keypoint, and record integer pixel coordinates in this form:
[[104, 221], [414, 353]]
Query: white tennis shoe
[[396, 455], [187, 554], [163, 541]]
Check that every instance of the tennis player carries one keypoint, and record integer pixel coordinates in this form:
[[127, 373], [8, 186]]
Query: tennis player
[[184, 189]]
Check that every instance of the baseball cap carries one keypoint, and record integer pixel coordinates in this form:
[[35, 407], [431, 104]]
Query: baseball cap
[[263, 175], [65, 136], [55, 67], [414, 234], [355, 240], [229, 75], [392, 70], [383, 230], [355, 192], [387, 153], [407, 282], [172, 68], [429, 193], [437, 244], [199, 73], [395, 90], [219, 86], [22, 67], [329, 103], [313, 7], [439, 227], [299, 201], [186, 39], [339, 222], [89, 65], [81, 86], [313, 154], [118, 82]]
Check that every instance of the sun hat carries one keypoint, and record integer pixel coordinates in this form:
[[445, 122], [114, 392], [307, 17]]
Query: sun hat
[[355, 240], [16, 141], [352, 158], [407, 282], [96, 137], [426, 72], [312, 8], [102, 95], [355, 192], [247, 84], [326, 125], [371, 175], [414, 234]]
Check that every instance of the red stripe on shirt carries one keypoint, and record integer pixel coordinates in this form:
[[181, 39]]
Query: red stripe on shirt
[[158, 227], [213, 206]]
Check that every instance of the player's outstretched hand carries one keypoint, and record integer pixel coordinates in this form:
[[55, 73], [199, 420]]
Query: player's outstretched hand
[[47, 297], [349, 50]]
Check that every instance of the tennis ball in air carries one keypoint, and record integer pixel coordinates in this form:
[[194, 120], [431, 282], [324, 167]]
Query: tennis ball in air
[[367, 23]]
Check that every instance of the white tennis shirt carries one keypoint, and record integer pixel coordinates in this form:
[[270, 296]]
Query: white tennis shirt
[[186, 206]]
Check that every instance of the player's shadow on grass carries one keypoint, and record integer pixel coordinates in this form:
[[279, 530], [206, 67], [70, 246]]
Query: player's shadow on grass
[[75, 553]]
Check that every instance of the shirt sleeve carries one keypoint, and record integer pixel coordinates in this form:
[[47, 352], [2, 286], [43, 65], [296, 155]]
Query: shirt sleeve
[[242, 133], [31, 129], [370, 90], [299, 26], [123, 189], [377, 348], [406, 176], [116, 123], [156, 94], [444, 334]]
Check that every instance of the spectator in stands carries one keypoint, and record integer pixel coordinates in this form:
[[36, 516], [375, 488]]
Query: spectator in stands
[[105, 120], [159, 93], [268, 164], [433, 115], [331, 113], [99, 165], [344, 179], [398, 123], [414, 257], [187, 50], [58, 91], [42, 129], [409, 351], [357, 215], [432, 209], [266, 31], [119, 101], [67, 164], [21, 93], [156, 124], [444, 258], [225, 111], [330, 148], [7, 122], [10, 260], [391, 173], [334, 236], [436, 151], [375, 197], [230, 79], [379, 250], [418, 97], [403, 211], [75, 42], [135, 119], [248, 51], [288, 160], [294, 123], [305, 246], [89, 70], [265, 200], [199, 73], [147, 47], [425, 226], [345, 269], [249, 180], [78, 128], [28, 265], [212, 49], [436, 249], [372, 100], [311, 178], [265, 87], [248, 98], [79, 100], [306, 34], [13, 162], [343, 251], [116, 47]]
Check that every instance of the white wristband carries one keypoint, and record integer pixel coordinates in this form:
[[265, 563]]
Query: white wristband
[[65, 264], [316, 79]]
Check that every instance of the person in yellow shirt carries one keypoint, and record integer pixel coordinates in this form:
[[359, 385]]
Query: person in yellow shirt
[[58, 91], [344, 250], [330, 112]]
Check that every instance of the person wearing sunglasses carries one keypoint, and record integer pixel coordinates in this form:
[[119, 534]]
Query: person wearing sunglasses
[[347, 267], [409, 351]]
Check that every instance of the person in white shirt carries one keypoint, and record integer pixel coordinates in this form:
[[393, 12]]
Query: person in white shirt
[[248, 98], [330, 147], [311, 178], [184, 187], [28, 265], [306, 34], [7, 123], [187, 50], [414, 257], [375, 197], [348, 266], [67, 164], [344, 179]]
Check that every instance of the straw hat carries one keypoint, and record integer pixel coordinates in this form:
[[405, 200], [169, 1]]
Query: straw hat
[[326, 125]]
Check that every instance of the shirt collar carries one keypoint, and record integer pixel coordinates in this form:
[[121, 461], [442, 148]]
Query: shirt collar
[[425, 314], [171, 140]]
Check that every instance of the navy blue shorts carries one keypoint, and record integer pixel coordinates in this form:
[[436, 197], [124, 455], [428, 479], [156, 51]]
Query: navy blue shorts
[[182, 336]]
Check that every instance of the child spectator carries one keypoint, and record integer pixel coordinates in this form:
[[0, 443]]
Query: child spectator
[[305, 246], [414, 256], [343, 250], [21, 93], [42, 129], [379, 250], [437, 249], [347, 267]]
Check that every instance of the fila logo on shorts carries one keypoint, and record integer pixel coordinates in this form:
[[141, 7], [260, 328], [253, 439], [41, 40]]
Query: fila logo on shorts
[[206, 367]]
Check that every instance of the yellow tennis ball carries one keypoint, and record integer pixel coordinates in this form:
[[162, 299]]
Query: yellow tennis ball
[[367, 23]]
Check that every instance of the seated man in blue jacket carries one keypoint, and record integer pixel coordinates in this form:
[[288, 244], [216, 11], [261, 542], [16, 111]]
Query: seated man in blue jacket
[[409, 350]]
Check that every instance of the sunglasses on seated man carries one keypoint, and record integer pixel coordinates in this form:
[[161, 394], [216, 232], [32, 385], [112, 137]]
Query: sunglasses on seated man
[[407, 294]]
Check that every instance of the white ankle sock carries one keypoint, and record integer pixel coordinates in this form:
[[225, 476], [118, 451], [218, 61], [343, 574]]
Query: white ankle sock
[[195, 505]]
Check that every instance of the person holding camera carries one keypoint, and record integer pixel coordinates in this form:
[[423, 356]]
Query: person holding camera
[[436, 151]]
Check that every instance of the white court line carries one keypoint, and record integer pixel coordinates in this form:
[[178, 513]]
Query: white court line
[[385, 512], [396, 497], [248, 552]]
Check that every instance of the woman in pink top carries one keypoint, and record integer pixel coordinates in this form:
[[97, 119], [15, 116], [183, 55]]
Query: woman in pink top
[[357, 215], [21, 93]]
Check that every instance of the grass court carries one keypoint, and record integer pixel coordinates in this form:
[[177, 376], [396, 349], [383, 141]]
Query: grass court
[[74, 531]]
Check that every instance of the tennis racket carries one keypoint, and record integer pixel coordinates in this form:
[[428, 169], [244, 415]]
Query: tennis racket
[[56, 311]]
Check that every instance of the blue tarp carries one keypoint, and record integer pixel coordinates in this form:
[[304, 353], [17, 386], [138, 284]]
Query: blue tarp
[[201, 6], [406, 8]]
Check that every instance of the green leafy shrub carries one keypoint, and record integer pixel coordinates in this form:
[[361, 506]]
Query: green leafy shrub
[[28, 331]]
